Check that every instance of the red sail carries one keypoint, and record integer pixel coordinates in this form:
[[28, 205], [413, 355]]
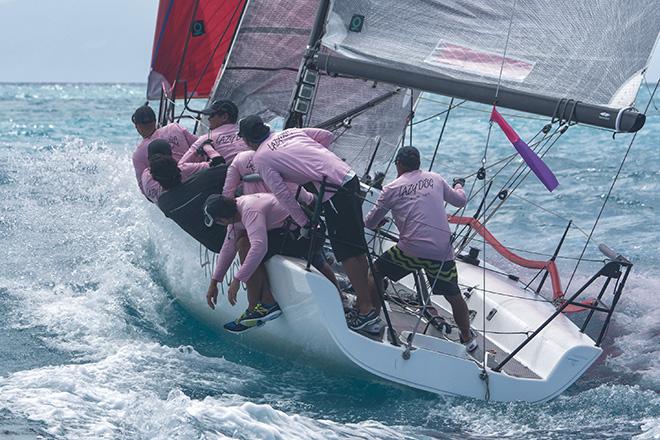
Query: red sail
[[191, 43]]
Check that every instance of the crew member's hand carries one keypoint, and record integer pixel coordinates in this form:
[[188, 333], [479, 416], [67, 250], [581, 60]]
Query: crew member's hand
[[217, 160], [233, 290], [200, 148], [458, 181], [212, 294]]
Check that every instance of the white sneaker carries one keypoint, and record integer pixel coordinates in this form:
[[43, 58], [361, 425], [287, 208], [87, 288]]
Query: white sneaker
[[471, 344]]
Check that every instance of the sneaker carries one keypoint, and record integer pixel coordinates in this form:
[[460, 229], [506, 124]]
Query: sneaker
[[357, 321], [374, 328], [471, 344], [346, 302], [261, 313], [237, 327]]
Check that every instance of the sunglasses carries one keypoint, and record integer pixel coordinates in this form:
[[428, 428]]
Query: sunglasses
[[208, 218]]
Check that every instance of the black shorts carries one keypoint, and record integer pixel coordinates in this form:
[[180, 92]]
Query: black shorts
[[285, 242], [343, 216], [442, 275]]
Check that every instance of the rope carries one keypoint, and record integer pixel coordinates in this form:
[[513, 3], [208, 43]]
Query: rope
[[609, 192]]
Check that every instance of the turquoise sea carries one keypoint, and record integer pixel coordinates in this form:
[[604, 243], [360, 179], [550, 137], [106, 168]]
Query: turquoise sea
[[93, 345]]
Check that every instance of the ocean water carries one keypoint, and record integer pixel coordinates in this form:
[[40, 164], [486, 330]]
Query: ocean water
[[93, 345]]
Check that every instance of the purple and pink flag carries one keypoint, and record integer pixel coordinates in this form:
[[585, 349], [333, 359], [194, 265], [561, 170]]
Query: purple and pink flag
[[534, 162]]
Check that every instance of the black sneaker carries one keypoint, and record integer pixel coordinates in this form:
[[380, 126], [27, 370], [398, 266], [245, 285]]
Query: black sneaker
[[357, 321]]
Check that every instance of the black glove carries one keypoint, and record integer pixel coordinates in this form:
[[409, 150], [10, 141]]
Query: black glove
[[217, 160], [200, 149], [458, 181]]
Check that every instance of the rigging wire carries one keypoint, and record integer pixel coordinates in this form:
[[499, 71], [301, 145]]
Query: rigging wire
[[442, 131], [484, 374], [609, 192], [450, 107]]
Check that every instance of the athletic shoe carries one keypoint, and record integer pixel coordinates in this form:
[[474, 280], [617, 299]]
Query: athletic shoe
[[374, 328], [261, 313], [471, 344], [237, 327], [357, 321], [347, 302]]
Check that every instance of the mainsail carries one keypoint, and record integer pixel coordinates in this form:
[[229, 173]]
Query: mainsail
[[262, 70], [190, 44], [592, 52]]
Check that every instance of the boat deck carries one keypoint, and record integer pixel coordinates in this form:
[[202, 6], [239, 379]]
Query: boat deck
[[404, 320]]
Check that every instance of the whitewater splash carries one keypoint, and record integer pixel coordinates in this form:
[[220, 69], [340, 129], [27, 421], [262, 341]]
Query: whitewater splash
[[94, 345]]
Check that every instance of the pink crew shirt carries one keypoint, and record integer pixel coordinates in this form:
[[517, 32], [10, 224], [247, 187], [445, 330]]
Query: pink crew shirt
[[179, 138], [417, 200], [259, 214], [243, 165], [299, 155], [225, 141], [153, 190]]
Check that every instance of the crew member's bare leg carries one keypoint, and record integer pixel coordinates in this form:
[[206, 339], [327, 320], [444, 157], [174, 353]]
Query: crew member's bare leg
[[461, 315], [329, 274], [373, 290], [258, 290], [357, 270]]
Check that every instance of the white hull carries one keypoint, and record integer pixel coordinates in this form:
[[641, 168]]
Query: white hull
[[313, 324]]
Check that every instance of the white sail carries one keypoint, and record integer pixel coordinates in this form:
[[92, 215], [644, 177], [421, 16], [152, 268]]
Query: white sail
[[262, 70], [586, 50]]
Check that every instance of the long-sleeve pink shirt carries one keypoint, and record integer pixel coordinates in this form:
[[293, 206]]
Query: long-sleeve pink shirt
[[417, 200], [179, 138], [225, 141], [259, 214], [153, 190], [243, 165], [299, 155]]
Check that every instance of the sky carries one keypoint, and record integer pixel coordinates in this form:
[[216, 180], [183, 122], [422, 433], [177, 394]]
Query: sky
[[87, 41]]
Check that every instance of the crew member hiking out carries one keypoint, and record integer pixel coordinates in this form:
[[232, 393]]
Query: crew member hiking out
[[243, 179], [222, 136], [178, 137], [416, 199], [301, 156], [164, 173], [265, 223]]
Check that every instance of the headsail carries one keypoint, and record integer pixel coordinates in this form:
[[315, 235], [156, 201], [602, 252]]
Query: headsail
[[191, 42], [262, 71], [591, 52]]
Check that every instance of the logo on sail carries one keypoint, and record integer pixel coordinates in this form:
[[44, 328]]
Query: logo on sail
[[471, 60]]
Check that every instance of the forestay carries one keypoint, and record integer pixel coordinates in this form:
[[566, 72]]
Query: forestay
[[260, 76]]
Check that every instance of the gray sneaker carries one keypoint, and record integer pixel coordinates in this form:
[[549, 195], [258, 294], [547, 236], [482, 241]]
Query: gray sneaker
[[357, 321], [375, 327]]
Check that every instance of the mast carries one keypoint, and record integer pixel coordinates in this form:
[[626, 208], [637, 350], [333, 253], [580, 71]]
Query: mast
[[301, 101], [624, 120]]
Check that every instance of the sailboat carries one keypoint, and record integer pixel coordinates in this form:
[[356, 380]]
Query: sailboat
[[359, 68]]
